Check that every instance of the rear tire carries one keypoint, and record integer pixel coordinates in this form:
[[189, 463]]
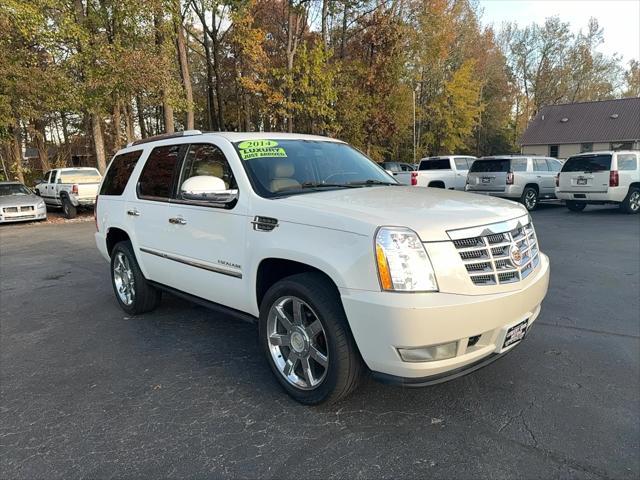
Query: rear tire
[[631, 203], [69, 210], [313, 345], [133, 292], [576, 206], [529, 198]]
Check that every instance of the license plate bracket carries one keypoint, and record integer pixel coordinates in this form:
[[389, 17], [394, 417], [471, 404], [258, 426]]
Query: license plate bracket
[[515, 334], [486, 179], [582, 181]]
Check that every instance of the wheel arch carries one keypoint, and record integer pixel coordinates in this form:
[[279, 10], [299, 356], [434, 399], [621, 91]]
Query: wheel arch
[[535, 186], [273, 269], [437, 184], [114, 236]]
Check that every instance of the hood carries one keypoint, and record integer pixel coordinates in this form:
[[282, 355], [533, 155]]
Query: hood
[[428, 211], [19, 200]]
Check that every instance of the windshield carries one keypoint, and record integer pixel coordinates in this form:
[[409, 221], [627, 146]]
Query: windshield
[[494, 165], [435, 164], [587, 163], [14, 189], [80, 175], [286, 167]]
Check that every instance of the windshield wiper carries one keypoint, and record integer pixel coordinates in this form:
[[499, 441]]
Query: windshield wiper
[[364, 183], [317, 185]]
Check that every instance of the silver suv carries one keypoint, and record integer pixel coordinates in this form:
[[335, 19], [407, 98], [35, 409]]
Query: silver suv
[[522, 178]]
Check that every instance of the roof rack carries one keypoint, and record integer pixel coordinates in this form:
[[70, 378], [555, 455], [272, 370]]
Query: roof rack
[[165, 136]]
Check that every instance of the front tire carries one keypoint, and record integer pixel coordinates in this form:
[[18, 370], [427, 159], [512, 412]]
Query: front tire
[[133, 292], [69, 210], [306, 339], [631, 203], [576, 206], [529, 198]]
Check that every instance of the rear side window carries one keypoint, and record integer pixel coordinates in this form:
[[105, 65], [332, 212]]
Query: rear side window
[[540, 165], [587, 163], [554, 165], [627, 161], [157, 177], [435, 164], [119, 172], [462, 164], [519, 165], [493, 165]]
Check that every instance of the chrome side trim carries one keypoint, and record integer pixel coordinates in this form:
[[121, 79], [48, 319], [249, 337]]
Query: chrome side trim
[[491, 229], [192, 263]]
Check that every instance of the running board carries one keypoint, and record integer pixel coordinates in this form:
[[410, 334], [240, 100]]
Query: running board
[[216, 307]]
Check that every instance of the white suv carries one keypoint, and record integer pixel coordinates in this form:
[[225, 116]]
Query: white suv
[[599, 178], [318, 244]]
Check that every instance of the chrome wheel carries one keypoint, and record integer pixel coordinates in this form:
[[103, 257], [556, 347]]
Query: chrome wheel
[[123, 279], [297, 343], [634, 201], [530, 199]]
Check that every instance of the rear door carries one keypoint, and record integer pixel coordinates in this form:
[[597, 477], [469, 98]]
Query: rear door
[[586, 174], [148, 212], [489, 175], [544, 177]]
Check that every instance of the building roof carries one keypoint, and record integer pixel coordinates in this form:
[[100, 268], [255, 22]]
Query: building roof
[[588, 122]]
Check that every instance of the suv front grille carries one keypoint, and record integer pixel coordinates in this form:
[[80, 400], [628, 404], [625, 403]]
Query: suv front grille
[[500, 258]]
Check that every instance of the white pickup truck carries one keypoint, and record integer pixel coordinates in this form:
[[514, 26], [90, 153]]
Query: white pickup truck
[[70, 188], [448, 172], [314, 242]]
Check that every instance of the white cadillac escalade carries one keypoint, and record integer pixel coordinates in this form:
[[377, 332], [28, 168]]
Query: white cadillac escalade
[[345, 270]]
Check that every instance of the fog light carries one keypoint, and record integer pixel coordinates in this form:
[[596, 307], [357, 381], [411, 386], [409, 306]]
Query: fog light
[[429, 354]]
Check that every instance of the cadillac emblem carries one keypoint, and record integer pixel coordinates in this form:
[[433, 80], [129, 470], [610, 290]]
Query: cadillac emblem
[[516, 255]]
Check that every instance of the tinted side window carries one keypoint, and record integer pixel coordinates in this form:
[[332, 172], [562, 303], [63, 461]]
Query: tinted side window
[[435, 164], [627, 161], [157, 177], [52, 178], [540, 165], [119, 172], [519, 165], [207, 160]]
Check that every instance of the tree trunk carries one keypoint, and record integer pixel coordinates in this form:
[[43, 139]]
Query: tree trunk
[[116, 124], [40, 140], [16, 153], [343, 34], [216, 71], [211, 107], [98, 142], [140, 110], [184, 70], [128, 120], [325, 14], [167, 111]]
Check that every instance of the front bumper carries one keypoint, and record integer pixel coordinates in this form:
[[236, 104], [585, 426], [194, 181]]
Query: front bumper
[[382, 322], [26, 216]]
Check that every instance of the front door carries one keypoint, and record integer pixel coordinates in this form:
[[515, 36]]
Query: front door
[[208, 235]]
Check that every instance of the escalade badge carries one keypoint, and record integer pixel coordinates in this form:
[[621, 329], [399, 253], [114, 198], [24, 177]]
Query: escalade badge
[[516, 255]]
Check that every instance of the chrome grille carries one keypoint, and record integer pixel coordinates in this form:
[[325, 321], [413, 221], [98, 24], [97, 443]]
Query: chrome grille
[[488, 258]]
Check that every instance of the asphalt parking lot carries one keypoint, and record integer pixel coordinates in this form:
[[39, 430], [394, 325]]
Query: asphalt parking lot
[[88, 392]]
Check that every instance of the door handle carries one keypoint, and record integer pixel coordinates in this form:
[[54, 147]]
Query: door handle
[[178, 221], [133, 212]]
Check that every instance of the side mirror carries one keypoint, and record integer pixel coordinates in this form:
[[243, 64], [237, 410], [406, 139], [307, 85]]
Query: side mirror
[[206, 188]]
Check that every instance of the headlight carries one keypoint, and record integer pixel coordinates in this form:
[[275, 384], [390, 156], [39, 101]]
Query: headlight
[[403, 264], [40, 205]]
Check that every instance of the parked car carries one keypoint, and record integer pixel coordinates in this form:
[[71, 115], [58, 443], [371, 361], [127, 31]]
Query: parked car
[[19, 204], [70, 188], [397, 167], [601, 177], [521, 178], [449, 172], [311, 239]]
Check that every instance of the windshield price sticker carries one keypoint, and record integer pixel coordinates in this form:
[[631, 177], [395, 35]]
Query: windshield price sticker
[[260, 149]]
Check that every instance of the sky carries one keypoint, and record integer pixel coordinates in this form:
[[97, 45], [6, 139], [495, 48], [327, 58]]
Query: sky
[[620, 19]]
